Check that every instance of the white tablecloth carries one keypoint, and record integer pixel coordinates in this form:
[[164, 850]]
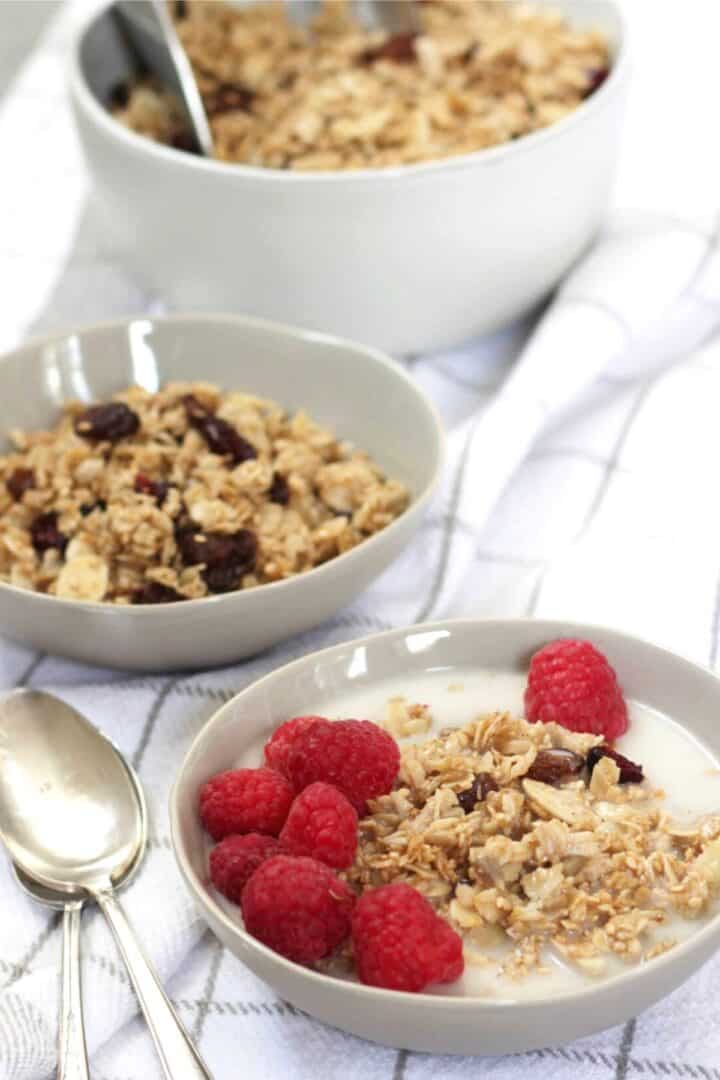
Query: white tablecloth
[[614, 517]]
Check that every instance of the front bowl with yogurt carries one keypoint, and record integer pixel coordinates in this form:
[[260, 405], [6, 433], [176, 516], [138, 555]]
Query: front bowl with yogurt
[[460, 670]]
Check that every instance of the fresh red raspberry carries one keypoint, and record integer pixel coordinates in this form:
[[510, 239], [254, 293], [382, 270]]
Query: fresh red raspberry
[[278, 745], [572, 684], [297, 907], [322, 823], [400, 943], [236, 858], [356, 756], [245, 800]]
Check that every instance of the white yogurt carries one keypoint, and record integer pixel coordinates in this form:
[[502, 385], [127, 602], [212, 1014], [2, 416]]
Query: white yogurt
[[673, 760]]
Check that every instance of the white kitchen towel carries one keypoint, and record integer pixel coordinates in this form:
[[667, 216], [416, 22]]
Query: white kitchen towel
[[610, 516]]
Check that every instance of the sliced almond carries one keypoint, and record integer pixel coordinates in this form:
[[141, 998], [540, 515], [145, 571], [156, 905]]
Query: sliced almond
[[83, 578], [562, 803]]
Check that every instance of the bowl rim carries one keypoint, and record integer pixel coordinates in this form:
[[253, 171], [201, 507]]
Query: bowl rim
[[417, 505], [140, 145], [556, 627]]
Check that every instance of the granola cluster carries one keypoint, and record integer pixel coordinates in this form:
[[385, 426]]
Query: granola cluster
[[525, 834], [336, 95], [154, 497]]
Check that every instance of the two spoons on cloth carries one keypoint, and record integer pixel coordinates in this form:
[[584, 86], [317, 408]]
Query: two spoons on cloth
[[74, 821]]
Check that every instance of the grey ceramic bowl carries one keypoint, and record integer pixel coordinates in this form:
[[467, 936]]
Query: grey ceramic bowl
[[463, 1024], [358, 392]]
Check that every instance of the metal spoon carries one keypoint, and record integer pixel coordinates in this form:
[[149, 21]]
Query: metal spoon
[[149, 31], [74, 819], [72, 1052]]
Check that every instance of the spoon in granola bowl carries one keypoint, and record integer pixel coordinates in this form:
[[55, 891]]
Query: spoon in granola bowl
[[149, 30], [73, 818]]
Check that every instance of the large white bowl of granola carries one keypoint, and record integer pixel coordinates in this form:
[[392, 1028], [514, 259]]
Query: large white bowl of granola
[[409, 192], [182, 492], [581, 878]]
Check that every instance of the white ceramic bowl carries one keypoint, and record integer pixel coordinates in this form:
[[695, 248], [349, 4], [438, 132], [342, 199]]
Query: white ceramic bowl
[[361, 394], [444, 1024], [409, 258]]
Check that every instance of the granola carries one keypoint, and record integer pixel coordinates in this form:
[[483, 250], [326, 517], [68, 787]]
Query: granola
[[515, 844], [336, 95], [175, 495]]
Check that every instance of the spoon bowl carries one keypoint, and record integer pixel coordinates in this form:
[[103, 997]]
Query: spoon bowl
[[70, 814]]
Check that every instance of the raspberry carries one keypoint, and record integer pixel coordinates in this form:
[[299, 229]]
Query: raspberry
[[400, 943], [572, 684], [278, 745], [322, 824], [243, 801], [356, 756], [297, 907], [236, 858]]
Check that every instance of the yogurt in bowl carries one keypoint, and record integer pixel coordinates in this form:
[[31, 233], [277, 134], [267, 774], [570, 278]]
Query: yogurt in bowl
[[438, 680]]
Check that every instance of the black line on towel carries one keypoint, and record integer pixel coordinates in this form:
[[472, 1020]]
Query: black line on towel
[[208, 991], [400, 1063], [21, 967], [603, 486], [623, 1058], [155, 709], [447, 536], [30, 670]]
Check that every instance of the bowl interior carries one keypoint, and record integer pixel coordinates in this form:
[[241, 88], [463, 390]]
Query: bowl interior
[[358, 393], [649, 675], [106, 59]]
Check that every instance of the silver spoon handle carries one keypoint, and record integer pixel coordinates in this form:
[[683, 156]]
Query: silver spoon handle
[[72, 1053], [179, 1058]]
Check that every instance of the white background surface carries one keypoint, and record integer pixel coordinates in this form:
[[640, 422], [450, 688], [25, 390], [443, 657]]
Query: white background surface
[[614, 517]]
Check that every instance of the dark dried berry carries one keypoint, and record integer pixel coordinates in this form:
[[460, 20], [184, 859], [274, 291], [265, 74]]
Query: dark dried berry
[[19, 481], [478, 791], [158, 489], [180, 9], [552, 766], [596, 77], [228, 97], [119, 96], [221, 437], [226, 557], [152, 592], [399, 47], [630, 772], [107, 423], [87, 508], [45, 534], [184, 140], [279, 490]]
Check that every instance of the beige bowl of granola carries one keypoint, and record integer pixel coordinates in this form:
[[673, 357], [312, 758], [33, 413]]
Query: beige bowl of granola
[[408, 194], [581, 900], [149, 520]]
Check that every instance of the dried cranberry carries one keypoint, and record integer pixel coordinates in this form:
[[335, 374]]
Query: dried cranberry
[[45, 533], [228, 97], [552, 766], [184, 140], [399, 47], [87, 508], [630, 772], [279, 490], [157, 488], [108, 423], [152, 592], [226, 556], [221, 437], [119, 96], [479, 790], [19, 481], [596, 77]]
